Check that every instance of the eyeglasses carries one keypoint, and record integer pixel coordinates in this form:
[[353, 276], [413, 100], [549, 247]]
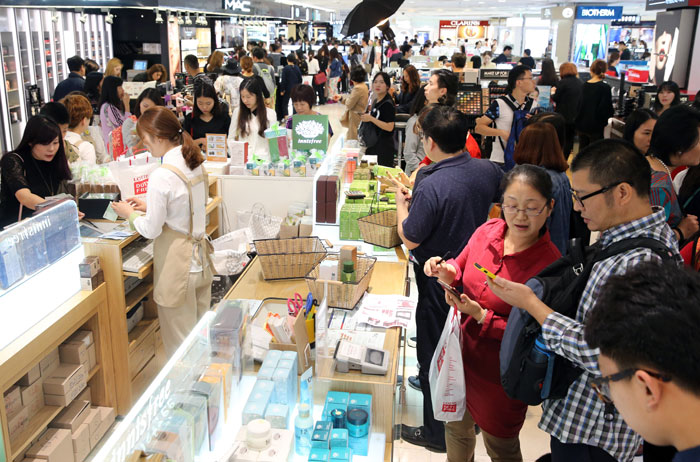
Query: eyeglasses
[[530, 212], [601, 385], [579, 199], [526, 78]]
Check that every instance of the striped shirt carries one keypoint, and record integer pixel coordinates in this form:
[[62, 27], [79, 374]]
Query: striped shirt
[[579, 417]]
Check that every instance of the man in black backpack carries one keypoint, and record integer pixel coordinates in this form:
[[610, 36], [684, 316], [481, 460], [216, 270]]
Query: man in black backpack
[[610, 186]]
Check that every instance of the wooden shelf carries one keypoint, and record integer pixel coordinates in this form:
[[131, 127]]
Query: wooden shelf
[[136, 295], [144, 271], [211, 206], [36, 425], [212, 228], [94, 371], [142, 329]]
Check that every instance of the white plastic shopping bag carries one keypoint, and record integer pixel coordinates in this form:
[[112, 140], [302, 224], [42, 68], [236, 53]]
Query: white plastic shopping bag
[[131, 174], [447, 388], [231, 252]]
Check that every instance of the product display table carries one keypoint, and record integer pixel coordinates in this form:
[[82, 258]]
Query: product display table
[[387, 278]]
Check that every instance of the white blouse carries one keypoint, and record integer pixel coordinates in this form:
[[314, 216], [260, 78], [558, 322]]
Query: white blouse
[[257, 145], [167, 202], [85, 149]]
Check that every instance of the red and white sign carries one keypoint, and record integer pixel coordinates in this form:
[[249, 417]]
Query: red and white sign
[[637, 75], [463, 28]]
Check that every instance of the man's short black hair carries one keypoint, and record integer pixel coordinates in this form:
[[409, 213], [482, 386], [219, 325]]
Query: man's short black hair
[[191, 61], [459, 60], [358, 74], [56, 112], [75, 63], [649, 317], [258, 53], [527, 51], [611, 161], [516, 74], [507, 48], [675, 132], [448, 127]]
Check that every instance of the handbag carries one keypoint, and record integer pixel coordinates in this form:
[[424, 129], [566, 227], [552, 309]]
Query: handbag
[[320, 78], [368, 133]]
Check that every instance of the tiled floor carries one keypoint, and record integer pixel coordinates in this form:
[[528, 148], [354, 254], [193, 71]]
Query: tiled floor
[[533, 441]]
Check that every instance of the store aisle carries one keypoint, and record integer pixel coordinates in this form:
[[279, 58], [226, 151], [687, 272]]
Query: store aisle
[[333, 111], [533, 441]]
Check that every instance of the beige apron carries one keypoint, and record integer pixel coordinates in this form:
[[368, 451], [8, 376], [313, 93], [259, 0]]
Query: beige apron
[[173, 252]]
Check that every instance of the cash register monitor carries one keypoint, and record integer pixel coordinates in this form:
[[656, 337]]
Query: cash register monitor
[[140, 64]]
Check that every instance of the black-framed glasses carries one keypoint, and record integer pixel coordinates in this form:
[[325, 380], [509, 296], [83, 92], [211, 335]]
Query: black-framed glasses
[[579, 199], [530, 211], [601, 385]]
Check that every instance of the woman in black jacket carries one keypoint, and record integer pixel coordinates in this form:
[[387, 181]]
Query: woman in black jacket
[[567, 100], [596, 106], [409, 89]]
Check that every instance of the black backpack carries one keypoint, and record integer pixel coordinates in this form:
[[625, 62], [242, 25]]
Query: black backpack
[[530, 372]]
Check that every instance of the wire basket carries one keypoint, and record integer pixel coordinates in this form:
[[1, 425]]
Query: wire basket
[[380, 229], [289, 258], [343, 295]]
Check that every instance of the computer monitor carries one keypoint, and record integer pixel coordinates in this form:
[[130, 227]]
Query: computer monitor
[[140, 64]]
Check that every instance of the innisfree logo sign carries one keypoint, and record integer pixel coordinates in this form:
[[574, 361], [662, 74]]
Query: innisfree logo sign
[[308, 129]]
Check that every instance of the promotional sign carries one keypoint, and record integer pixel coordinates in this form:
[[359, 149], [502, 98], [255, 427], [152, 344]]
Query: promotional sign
[[463, 29], [237, 5], [558, 13], [672, 44], [665, 4], [544, 97], [494, 74], [310, 132], [216, 147], [598, 12]]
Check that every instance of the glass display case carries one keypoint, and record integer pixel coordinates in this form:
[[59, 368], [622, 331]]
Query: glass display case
[[57, 43], [49, 52]]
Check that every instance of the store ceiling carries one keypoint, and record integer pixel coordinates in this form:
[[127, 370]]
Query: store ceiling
[[477, 9]]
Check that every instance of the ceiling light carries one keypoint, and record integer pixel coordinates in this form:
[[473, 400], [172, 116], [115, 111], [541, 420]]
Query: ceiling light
[[109, 19], [83, 17], [180, 19], [159, 18], [188, 20], [171, 17], [54, 16]]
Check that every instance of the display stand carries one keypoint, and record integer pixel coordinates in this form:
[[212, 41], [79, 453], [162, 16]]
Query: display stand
[[387, 278], [85, 310], [139, 354]]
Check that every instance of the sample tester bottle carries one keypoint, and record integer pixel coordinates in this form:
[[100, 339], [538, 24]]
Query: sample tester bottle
[[303, 427]]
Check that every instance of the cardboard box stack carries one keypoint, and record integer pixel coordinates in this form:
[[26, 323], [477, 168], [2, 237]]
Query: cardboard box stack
[[91, 274]]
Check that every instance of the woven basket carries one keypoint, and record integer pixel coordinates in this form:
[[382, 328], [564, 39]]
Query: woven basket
[[380, 229], [289, 258], [343, 295]]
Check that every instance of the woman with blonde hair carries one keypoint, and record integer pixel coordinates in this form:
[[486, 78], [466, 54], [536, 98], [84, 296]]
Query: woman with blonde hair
[[215, 63], [80, 112], [566, 95], [114, 68]]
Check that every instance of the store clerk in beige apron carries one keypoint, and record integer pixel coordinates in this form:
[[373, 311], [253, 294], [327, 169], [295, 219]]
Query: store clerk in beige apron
[[174, 216]]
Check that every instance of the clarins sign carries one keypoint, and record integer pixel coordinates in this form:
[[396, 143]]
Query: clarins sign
[[453, 23]]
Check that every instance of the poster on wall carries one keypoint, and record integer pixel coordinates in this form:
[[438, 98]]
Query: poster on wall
[[591, 42], [173, 50], [672, 42], [463, 29]]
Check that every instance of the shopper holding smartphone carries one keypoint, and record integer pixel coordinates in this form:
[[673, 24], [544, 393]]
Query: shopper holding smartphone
[[174, 215], [517, 245]]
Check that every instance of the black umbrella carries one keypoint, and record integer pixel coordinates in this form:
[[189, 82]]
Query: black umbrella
[[368, 14]]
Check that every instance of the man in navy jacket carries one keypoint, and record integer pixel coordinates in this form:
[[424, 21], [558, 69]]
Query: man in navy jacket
[[75, 80]]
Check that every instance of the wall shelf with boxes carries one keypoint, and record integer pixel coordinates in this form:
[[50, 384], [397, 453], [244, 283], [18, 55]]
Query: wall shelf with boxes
[[38, 382], [137, 347]]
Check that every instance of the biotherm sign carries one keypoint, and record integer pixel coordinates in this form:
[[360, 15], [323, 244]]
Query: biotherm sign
[[599, 12]]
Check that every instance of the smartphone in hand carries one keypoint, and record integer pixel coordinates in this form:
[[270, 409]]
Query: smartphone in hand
[[449, 288], [485, 271]]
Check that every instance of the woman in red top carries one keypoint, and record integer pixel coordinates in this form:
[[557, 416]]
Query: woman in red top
[[518, 247]]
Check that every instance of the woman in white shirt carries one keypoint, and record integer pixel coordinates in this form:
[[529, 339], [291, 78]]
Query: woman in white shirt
[[80, 112], [251, 119], [175, 217]]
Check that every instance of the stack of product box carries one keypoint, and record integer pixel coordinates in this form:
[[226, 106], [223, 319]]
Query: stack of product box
[[344, 429], [91, 274], [274, 394], [327, 195]]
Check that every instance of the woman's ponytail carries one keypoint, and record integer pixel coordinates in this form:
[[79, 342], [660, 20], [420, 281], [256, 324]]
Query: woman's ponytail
[[191, 152], [160, 122]]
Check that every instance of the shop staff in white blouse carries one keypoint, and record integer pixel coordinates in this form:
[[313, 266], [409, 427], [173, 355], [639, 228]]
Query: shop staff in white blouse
[[251, 119], [174, 216]]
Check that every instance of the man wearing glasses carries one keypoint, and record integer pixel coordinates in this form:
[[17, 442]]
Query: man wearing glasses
[[611, 183], [646, 326]]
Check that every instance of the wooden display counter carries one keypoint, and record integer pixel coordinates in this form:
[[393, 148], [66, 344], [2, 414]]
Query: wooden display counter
[[85, 310], [387, 278]]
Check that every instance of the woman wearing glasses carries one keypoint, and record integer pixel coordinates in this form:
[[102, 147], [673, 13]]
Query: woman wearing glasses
[[516, 246]]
